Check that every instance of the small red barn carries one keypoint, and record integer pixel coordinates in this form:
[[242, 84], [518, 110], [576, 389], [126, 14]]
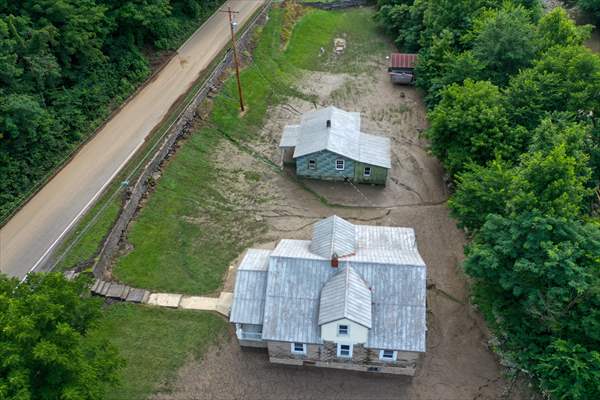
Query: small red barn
[[402, 67]]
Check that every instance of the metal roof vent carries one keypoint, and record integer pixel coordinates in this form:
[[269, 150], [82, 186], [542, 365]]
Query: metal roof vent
[[328, 123]]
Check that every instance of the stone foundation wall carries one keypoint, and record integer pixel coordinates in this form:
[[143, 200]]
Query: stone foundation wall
[[363, 359], [283, 350]]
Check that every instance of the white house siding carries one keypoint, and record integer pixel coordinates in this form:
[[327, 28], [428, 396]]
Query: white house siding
[[357, 333]]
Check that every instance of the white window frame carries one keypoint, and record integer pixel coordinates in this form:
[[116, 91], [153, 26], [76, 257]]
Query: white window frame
[[293, 348], [338, 160], [392, 359], [339, 350], [313, 163], [347, 330], [365, 171]]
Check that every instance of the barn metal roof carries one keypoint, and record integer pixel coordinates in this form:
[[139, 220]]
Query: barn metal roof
[[300, 284], [250, 288], [403, 60], [398, 320], [333, 235], [290, 136], [345, 295], [342, 136]]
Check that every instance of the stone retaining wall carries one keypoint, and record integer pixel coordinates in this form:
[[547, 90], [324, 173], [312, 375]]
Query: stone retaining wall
[[338, 5]]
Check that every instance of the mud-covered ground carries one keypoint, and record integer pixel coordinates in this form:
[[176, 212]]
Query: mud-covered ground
[[458, 363]]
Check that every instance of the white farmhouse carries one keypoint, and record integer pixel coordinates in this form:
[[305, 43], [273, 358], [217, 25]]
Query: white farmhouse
[[352, 298]]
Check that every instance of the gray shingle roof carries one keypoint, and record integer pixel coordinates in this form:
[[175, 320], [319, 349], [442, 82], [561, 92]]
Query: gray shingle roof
[[345, 295], [333, 235], [343, 137], [250, 288]]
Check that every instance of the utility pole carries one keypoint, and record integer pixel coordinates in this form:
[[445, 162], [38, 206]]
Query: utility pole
[[235, 55]]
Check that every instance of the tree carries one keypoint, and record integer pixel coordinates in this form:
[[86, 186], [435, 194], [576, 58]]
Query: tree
[[469, 125], [557, 28], [551, 179], [553, 182], [481, 191], [565, 78], [537, 279], [504, 41], [43, 351], [569, 370], [591, 7], [402, 19]]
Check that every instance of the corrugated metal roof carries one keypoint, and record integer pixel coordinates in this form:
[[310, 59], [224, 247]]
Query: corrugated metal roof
[[403, 60], [255, 260], [386, 259], [290, 136], [341, 136], [375, 150], [345, 295], [333, 235], [398, 312], [250, 288]]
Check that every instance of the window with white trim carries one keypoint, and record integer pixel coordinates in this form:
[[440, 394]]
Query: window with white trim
[[388, 355], [312, 164], [340, 164], [344, 350], [298, 348], [367, 171], [343, 330]]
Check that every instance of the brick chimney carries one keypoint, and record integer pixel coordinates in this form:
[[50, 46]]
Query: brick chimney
[[334, 260]]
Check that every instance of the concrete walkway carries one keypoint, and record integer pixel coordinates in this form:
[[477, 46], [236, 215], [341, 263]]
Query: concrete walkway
[[118, 291]]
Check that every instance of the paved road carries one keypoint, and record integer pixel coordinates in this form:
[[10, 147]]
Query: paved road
[[29, 237]]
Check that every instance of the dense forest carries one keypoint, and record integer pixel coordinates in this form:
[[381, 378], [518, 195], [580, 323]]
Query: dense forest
[[514, 102], [64, 65]]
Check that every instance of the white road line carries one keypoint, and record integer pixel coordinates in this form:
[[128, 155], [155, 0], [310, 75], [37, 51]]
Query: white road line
[[116, 172], [83, 210]]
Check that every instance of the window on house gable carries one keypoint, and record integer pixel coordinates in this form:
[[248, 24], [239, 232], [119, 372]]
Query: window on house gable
[[312, 164], [344, 350], [340, 164], [298, 348], [367, 171], [388, 355], [343, 330]]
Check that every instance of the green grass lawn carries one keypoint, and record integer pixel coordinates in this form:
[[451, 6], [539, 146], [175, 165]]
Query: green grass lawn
[[188, 232], [155, 343], [171, 250]]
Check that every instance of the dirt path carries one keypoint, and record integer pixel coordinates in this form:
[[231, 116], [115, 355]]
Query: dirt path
[[458, 364], [31, 234]]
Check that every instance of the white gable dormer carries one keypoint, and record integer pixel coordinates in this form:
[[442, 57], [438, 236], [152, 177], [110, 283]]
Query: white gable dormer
[[344, 331], [345, 308]]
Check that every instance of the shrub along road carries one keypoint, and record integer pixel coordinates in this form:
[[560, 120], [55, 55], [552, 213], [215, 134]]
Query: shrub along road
[[28, 238]]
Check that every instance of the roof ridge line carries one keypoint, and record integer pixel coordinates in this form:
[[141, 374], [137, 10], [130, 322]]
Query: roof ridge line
[[347, 290], [333, 219]]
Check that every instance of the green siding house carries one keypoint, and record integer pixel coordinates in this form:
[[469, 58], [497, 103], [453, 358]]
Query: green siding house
[[328, 145]]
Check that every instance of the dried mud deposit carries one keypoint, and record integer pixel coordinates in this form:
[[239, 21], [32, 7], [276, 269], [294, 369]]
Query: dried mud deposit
[[458, 364]]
